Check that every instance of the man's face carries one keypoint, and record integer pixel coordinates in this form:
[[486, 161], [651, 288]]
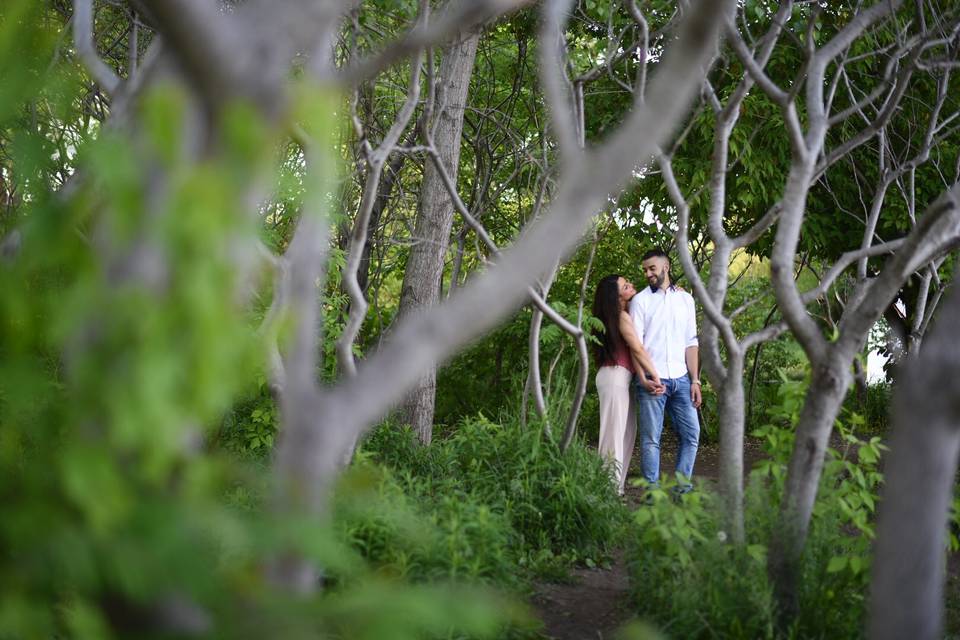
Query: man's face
[[627, 290], [655, 270]]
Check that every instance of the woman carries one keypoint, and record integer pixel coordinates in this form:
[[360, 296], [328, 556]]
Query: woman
[[619, 354]]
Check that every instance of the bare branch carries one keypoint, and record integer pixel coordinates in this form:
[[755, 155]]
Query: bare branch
[[845, 261], [860, 22], [556, 86], [376, 160], [936, 231], [83, 38], [710, 350], [769, 87], [204, 43], [641, 21], [770, 332], [756, 231], [465, 15], [423, 339]]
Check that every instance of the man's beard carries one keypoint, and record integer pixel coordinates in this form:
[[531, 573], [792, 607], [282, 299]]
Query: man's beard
[[658, 280]]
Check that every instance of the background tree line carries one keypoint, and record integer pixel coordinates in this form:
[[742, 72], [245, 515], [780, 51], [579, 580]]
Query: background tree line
[[235, 232]]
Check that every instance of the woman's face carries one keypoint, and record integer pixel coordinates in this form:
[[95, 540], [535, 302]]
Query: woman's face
[[626, 291]]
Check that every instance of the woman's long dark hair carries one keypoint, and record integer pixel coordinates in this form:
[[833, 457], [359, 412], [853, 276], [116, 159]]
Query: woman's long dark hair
[[606, 307]]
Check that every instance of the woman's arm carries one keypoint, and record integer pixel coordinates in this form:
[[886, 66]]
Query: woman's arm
[[637, 352]]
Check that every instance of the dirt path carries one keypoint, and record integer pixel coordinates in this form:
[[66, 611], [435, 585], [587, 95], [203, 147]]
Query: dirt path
[[593, 606], [596, 602]]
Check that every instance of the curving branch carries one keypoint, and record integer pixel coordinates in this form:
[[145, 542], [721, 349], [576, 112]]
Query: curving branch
[[542, 308], [465, 15], [425, 339], [85, 43], [845, 261], [561, 97], [204, 43], [376, 159]]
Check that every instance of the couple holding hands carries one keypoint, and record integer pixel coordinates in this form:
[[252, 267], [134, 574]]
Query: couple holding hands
[[648, 365]]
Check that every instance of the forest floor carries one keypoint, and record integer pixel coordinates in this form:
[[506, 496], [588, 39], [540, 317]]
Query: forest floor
[[595, 602]]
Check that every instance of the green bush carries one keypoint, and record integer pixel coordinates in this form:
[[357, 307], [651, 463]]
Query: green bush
[[409, 533], [560, 507], [693, 583], [689, 580], [874, 407]]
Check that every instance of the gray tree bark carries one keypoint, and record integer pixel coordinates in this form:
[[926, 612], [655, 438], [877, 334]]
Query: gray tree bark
[[906, 599], [421, 280]]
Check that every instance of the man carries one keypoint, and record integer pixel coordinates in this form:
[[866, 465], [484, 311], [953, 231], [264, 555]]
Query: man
[[666, 323]]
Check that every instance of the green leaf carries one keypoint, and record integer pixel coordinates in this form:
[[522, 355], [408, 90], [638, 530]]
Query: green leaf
[[758, 552], [857, 564], [837, 564]]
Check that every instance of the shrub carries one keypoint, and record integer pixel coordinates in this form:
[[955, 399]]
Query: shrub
[[557, 505], [691, 581], [410, 533]]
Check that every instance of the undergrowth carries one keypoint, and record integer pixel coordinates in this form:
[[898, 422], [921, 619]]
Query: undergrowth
[[690, 580], [492, 502]]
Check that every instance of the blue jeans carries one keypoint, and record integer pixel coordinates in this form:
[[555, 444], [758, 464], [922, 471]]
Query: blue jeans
[[683, 416]]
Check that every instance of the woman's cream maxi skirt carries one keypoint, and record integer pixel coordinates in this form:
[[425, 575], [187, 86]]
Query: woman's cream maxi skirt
[[618, 422]]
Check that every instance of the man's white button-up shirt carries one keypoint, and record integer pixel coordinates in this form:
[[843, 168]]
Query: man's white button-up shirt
[[666, 323]]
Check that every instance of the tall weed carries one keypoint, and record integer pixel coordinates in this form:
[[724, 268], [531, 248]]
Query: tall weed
[[560, 507]]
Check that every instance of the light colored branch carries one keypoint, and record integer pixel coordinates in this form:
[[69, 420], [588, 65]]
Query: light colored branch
[[133, 47], [641, 21], [710, 350], [83, 37], [203, 41], [538, 299], [860, 22], [375, 162], [306, 458], [535, 383], [556, 85], [276, 372], [886, 83], [754, 68], [464, 16], [891, 103], [936, 231], [757, 230], [845, 261], [768, 333], [422, 340]]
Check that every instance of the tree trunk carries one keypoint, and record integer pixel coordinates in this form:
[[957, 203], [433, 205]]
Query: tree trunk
[[421, 280], [731, 414], [391, 174], [828, 388], [906, 599]]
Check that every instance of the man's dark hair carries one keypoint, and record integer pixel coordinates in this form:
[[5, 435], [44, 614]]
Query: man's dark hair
[[656, 252]]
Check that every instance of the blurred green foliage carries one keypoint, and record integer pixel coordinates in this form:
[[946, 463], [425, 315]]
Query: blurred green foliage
[[123, 338], [557, 508]]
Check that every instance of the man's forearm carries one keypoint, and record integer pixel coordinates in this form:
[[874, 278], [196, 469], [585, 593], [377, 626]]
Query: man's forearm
[[692, 355]]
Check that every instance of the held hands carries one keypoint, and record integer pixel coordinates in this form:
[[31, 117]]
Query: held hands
[[653, 385]]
